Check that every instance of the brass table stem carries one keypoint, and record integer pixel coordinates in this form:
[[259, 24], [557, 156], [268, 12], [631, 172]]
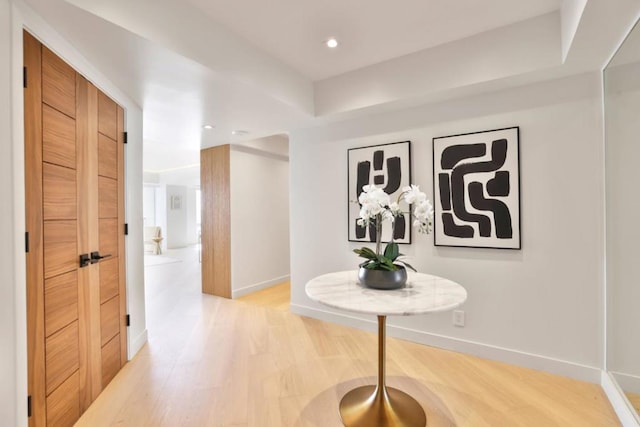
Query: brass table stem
[[379, 405]]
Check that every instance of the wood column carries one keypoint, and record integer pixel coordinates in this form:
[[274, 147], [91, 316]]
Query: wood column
[[216, 220]]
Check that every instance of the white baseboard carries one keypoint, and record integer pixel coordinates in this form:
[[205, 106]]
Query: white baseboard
[[627, 382], [136, 344], [235, 293], [627, 415], [515, 357]]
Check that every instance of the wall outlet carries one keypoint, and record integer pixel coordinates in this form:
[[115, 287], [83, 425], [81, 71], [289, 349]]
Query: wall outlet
[[458, 318]]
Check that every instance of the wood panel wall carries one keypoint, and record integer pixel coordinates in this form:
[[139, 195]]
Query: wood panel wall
[[216, 220]]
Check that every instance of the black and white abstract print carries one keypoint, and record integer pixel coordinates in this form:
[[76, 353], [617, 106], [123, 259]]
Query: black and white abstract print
[[477, 189], [387, 166]]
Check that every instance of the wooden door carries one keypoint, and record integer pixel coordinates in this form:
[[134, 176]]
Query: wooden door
[[109, 175], [65, 307]]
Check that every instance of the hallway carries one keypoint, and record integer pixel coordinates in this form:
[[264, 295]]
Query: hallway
[[216, 362]]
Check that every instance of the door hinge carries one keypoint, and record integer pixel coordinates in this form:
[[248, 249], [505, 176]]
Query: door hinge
[[24, 77], [125, 138], [28, 406], [126, 229], [128, 320], [26, 242]]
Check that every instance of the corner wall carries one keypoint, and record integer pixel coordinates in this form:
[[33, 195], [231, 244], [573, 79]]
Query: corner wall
[[8, 344], [540, 307], [259, 220], [623, 269]]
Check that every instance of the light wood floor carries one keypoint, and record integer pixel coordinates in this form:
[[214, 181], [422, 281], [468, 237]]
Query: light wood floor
[[635, 401], [276, 297], [217, 362]]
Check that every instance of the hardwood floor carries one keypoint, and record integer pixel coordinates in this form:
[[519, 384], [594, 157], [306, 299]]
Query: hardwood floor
[[217, 362], [635, 400], [276, 297]]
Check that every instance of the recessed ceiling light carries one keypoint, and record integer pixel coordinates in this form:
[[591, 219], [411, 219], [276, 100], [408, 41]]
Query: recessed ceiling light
[[332, 42], [207, 127], [239, 132]]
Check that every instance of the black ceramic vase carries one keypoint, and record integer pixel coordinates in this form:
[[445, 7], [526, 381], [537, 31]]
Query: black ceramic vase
[[382, 279]]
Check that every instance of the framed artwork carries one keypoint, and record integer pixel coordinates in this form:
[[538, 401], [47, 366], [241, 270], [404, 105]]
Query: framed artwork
[[476, 179], [387, 166], [176, 202]]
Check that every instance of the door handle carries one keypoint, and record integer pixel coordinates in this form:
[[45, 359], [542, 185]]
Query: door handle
[[84, 260], [96, 257]]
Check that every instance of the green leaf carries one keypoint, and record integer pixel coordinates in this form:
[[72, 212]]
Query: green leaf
[[406, 264], [391, 251], [365, 253], [388, 264]]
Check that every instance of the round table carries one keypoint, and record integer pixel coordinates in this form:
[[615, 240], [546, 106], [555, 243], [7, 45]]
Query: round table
[[380, 405]]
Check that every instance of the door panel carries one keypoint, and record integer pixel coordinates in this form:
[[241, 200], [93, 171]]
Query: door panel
[[61, 356], [107, 155], [58, 83], [60, 247], [108, 279], [108, 197], [109, 315], [88, 277], [60, 301], [107, 117], [59, 192], [109, 237], [63, 405], [58, 138], [110, 360], [33, 210]]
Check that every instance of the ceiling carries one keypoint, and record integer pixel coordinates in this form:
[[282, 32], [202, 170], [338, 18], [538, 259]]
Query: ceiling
[[262, 66], [368, 31]]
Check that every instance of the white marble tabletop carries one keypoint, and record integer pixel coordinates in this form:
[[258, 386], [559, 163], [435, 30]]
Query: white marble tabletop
[[423, 293]]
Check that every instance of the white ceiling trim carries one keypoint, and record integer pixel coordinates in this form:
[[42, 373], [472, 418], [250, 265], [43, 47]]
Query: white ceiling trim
[[570, 14], [513, 50], [182, 28]]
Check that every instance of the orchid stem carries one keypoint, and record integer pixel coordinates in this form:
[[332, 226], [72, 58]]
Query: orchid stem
[[378, 233]]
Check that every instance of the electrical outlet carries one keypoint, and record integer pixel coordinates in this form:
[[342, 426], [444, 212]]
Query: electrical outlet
[[458, 318]]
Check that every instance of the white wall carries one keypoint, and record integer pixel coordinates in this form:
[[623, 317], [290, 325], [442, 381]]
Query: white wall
[[623, 235], [192, 227], [541, 306], [259, 220], [149, 204], [188, 176], [176, 232], [13, 355], [8, 344]]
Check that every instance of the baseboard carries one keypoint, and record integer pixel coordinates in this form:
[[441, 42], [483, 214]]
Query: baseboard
[[136, 344], [627, 382], [627, 415], [501, 354], [236, 293]]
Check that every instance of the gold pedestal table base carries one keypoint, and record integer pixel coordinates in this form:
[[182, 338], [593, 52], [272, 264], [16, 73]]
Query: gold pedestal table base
[[379, 405]]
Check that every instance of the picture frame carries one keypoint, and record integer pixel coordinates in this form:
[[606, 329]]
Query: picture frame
[[476, 188], [176, 202], [385, 165]]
